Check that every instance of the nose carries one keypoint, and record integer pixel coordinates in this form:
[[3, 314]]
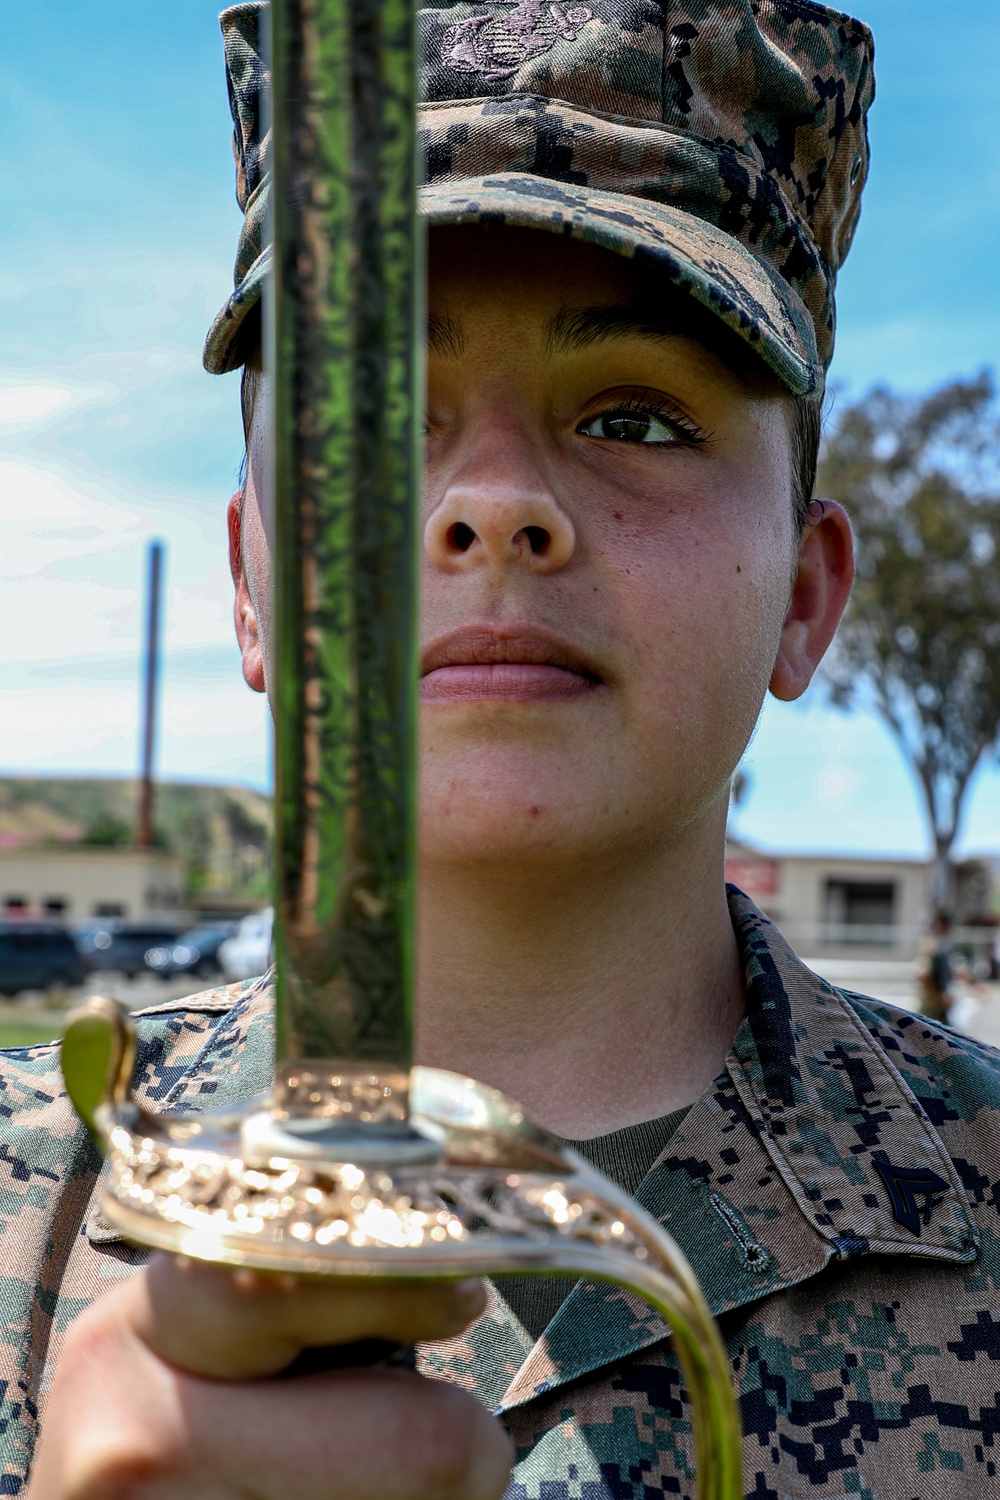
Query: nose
[[498, 511]]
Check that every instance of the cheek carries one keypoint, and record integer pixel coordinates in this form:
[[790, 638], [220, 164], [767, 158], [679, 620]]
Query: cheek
[[702, 603]]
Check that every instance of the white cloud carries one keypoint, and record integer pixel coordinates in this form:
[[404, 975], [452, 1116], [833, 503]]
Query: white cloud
[[72, 576], [33, 403], [204, 733], [34, 399], [45, 519], [837, 782], [72, 568]]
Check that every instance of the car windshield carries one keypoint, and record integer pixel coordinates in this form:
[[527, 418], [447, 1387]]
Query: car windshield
[[199, 935]]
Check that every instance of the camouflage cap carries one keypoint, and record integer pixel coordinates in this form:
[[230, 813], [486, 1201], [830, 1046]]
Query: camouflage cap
[[720, 143], [248, 80]]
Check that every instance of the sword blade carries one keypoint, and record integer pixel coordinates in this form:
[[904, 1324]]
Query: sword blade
[[342, 343]]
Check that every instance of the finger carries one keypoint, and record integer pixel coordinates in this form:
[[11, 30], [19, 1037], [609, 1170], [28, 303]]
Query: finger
[[122, 1422], [241, 1325], [365, 1434]]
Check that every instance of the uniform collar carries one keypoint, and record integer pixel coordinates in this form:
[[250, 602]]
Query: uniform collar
[[234, 1062], [783, 1165]]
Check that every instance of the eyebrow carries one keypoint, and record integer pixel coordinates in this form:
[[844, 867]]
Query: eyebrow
[[574, 328], [444, 336], [566, 332]]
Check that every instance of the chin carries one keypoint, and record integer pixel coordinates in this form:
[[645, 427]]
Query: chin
[[501, 820]]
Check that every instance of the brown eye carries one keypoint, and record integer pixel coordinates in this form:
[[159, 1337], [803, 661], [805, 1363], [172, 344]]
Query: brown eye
[[628, 427]]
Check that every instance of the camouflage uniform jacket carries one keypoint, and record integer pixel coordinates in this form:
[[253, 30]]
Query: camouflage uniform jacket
[[836, 1188]]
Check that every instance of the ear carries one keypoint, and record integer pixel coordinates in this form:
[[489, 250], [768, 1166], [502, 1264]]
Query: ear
[[244, 614], [819, 597]]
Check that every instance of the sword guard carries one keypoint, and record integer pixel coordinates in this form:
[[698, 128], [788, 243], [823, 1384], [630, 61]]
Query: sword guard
[[471, 1187]]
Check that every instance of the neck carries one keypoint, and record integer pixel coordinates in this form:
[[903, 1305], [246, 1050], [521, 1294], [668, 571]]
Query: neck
[[596, 994]]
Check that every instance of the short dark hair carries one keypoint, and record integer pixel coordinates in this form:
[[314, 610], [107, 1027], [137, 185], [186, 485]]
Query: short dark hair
[[805, 417], [253, 371], [805, 433]]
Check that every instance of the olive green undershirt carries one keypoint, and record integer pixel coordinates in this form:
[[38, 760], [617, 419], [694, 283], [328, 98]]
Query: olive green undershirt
[[625, 1156]]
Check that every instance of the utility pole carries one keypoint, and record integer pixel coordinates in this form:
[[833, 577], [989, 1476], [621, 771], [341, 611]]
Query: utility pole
[[144, 820]]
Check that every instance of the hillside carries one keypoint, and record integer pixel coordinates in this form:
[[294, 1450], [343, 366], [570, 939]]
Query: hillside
[[222, 834]]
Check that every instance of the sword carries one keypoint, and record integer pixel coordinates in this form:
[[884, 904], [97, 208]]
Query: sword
[[359, 1163]]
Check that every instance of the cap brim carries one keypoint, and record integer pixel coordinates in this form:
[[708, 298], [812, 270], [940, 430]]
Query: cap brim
[[226, 345], [747, 294], [718, 271]]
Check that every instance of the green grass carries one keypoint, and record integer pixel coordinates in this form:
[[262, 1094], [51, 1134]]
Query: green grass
[[27, 1033]]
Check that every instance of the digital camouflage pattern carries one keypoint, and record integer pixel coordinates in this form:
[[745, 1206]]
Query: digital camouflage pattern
[[248, 81], [56, 1253], [721, 143], [863, 1325]]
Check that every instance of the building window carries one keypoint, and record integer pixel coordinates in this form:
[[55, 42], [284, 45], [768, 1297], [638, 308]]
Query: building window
[[55, 905], [860, 911], [15, 903], [109, 909]]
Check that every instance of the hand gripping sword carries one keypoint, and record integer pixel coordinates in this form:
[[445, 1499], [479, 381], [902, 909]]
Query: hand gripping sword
[[359, 1165]]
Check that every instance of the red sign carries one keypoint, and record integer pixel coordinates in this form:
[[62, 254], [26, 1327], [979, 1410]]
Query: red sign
[[757, 878]]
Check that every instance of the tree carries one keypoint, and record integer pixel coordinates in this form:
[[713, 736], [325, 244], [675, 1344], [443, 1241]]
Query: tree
[[919, 477], [107, 831]]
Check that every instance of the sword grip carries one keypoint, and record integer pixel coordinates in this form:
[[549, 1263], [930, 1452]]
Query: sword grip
[[362, 1354]]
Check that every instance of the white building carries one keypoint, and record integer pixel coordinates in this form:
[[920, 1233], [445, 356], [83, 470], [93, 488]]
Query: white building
[[835, 906], [74, 883]]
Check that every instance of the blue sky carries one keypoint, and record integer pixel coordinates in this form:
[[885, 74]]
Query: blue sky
[[118, 237], [917, 305]]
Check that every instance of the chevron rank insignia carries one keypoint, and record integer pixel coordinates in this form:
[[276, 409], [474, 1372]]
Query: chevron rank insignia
[[904, 1186]]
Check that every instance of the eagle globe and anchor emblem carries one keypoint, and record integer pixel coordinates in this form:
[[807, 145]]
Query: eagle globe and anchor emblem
[[498, 42]]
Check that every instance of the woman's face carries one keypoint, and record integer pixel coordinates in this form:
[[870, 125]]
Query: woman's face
[[609, 554]]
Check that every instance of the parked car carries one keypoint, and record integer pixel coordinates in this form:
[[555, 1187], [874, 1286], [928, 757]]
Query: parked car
[[121, 947], [195, 952], [248, 952], [37, 956]]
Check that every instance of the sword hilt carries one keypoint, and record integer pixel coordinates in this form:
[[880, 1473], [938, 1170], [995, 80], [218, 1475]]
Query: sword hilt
[[362, 1354], [490, 1193]]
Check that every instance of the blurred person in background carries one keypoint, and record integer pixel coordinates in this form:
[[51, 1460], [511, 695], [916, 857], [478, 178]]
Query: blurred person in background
[[937, 970]]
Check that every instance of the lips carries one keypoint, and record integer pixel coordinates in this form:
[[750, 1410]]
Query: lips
[[489, 665]]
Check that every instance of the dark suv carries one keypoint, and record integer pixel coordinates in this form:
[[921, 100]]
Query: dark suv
[[121, 947], [37, 956], [195, 952]]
